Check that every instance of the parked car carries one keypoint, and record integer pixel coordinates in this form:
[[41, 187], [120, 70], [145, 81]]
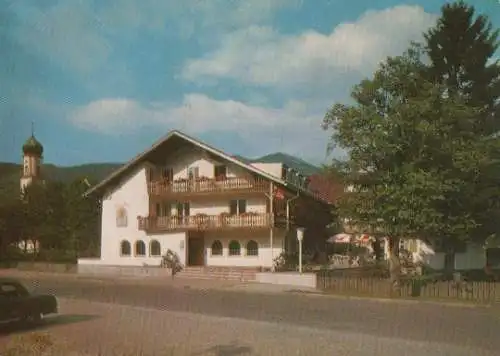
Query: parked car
[[17, 304]]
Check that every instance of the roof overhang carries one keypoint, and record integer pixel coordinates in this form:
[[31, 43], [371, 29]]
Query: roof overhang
[[142, 157]]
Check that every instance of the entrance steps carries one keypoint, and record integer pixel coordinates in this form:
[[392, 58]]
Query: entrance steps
[[244, 274]]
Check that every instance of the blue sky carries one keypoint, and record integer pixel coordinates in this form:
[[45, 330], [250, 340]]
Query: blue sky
[[102, 79]]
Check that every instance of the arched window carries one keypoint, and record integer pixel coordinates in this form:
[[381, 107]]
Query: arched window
[[252, 248], [125, 248], [121, 217], [216, 248], [234, 248], [154, 248], [140, 248]]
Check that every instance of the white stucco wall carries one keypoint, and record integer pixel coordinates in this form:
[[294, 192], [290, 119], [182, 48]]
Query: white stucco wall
[[264, 259], [473, 258], [274, 169], [187, 159], [132, 195]]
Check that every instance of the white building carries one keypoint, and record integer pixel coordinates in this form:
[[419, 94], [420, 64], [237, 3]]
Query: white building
[[203, 204]]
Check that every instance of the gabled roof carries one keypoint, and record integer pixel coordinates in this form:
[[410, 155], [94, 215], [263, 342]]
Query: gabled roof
[[197, 143]]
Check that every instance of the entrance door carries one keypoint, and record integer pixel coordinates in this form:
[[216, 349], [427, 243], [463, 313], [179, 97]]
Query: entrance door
[[196, 250]]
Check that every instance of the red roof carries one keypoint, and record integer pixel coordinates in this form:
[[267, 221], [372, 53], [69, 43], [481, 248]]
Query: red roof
[[328, 187]]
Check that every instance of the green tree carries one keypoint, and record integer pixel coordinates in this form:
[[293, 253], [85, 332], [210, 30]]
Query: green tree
[[405, 142], [81, 223], [11, 226], [461, 48]]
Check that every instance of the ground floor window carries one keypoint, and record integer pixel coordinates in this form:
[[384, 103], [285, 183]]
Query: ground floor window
[[154, 248], [140, 248], [216, 248], [252, 248], [125, 248], [234, 248], [493, 257]]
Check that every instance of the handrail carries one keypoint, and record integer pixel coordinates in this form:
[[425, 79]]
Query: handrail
[[204, 222]]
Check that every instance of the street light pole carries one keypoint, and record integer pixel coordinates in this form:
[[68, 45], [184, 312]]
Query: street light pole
[[300, 237]]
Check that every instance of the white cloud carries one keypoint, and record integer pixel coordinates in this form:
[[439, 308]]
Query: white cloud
[[263, 129], [259, 55], [79, 36]]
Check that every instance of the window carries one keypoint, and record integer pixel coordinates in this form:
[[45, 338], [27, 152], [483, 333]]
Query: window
[[493, 257], [167, 174], [234, 248], [252, 248], [216, 248], [11, 289], [140, 248], [121, 217], [163, 209], [193, 173], [220, 172], [154, 248], [125, 248], [237, 207], [183, 209]]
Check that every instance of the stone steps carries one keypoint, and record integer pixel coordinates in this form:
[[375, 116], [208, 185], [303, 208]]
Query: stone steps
[[219, 273]]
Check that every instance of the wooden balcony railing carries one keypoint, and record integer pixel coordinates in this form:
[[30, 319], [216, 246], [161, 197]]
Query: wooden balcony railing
[[204, 222], [206, 185]]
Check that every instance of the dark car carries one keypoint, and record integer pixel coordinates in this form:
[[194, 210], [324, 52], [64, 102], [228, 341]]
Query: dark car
[[17, 304]]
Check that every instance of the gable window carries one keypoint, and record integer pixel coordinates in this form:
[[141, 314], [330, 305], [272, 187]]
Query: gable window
[[193, 173], [237, 207], [167, 174], [220, 172], [121, 217], [183, 209]]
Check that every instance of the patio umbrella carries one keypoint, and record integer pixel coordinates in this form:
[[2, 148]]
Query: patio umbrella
[[340, 238]]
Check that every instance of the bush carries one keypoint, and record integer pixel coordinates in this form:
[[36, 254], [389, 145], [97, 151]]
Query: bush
[[171, 261]]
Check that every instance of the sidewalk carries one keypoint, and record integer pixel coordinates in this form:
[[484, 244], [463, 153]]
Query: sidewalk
[[178, 282]]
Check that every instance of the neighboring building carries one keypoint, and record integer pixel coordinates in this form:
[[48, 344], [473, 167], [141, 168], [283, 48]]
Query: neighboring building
[[466, 257], [208, 207]]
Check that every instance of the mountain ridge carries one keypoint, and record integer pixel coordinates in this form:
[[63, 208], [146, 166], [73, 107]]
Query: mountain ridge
[[95, 172]]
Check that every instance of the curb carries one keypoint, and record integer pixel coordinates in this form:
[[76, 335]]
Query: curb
[[236, 287]]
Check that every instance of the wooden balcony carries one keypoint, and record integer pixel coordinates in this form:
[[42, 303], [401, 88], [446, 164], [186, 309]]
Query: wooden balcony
[[204, 222], [206, 186]]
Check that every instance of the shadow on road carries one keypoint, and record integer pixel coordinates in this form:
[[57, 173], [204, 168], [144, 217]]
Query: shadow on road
[[226, 350], [63, 319]]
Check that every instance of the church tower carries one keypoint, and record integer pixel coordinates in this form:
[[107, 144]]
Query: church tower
[[32, 159]]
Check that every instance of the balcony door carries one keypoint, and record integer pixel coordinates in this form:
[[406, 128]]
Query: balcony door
[[183, 211], [220, 172]]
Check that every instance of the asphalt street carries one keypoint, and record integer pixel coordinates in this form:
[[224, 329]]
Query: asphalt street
[[469, 328]]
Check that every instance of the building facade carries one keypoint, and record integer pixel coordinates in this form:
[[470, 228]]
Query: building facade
[[206, 206]]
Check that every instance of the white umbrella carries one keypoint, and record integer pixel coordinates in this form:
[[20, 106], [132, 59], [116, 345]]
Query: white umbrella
[[340, 238]]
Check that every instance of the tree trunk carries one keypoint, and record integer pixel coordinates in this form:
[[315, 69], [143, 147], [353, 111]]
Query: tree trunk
[[394, 263]]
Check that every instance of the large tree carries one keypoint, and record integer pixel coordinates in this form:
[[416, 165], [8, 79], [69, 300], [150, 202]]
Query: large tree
[[461, 49], [405, 142]]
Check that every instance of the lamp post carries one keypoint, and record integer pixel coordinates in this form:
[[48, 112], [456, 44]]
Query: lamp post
[[300, 237]]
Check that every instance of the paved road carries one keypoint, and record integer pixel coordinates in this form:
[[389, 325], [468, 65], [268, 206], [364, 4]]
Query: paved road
[[471, 329]]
